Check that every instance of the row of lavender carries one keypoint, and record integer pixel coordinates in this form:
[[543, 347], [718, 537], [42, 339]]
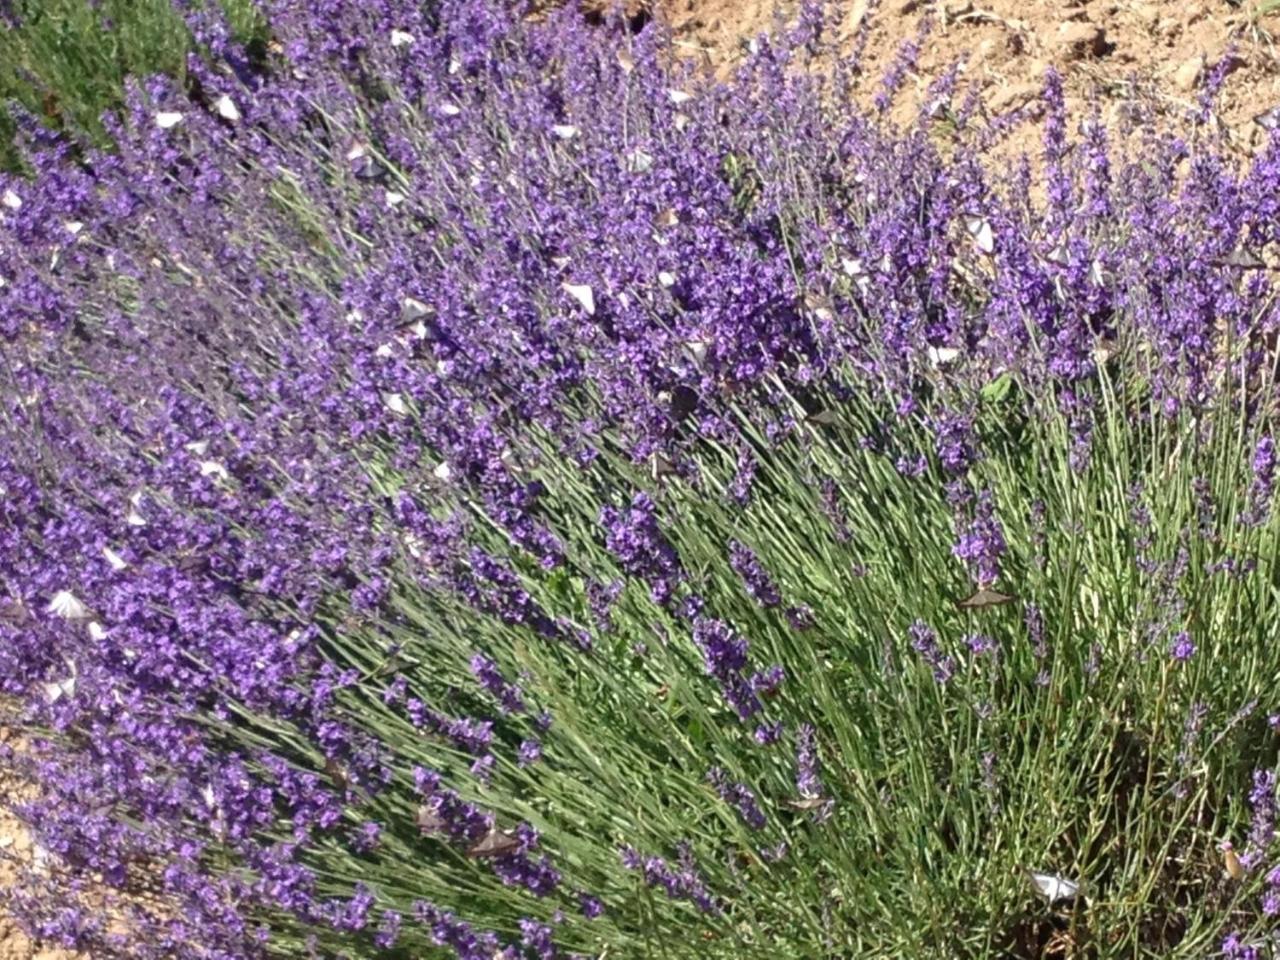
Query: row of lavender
[[458, 481]]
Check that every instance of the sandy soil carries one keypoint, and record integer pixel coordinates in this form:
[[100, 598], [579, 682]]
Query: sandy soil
[[16, 849], [1107, 48]]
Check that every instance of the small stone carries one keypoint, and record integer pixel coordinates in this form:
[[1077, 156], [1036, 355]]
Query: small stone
[[1188, 74], [1147, 13], [1080, 38], [1012, 95]]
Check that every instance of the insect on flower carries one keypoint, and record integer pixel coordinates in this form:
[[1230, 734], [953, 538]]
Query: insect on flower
[[66, 605], [983, 598], [227, 109], [983, 236], [1053, 887], [428, 820], [1231, 862], [495, 843], [803, 804], [583, 294]]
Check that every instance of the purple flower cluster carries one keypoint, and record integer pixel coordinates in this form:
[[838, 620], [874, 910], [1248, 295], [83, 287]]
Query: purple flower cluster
[[981, 542], [724, 655], [924, 641], [633, 537], [739, 796], [808, 784], [755, 578], [683, 883]]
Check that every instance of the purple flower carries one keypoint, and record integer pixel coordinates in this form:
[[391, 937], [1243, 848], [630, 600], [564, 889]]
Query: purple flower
[[755, 578], [507, 694], [925, 642], [589, 906], [682, 884], [1182, 648], [767, 733], [808, 783], [981, 543], [633, 537], [530, 752], [739, 796]]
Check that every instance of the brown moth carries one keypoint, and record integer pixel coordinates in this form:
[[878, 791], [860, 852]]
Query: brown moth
[[983, 598], [495, 843], [428, 820], [337, 774], [806, 803], [823, 418], [666, 219], [662, 466], [1231, 863]]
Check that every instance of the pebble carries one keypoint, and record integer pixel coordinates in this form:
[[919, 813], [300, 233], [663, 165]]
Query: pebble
[[1080, 38], [1188, 74]]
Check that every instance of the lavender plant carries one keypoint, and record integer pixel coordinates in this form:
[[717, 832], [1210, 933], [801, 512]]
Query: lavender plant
[[479, 489]]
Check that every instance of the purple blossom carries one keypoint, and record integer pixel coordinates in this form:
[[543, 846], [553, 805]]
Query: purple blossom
[[507, 694], [981, 543], [633, 537], [684, 883], [808, 783], [925, 642], [530, 752], [754, 577], [1181, 648], [739, 796]]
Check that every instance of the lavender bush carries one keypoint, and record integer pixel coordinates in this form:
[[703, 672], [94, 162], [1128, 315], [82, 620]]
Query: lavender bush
[[477, 489]]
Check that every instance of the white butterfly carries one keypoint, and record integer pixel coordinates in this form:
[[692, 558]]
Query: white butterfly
[[400, 38], [697, 349], [941, 356], [412, 309], [1059, 255], [58, 689], [65, 605], [227, 109], [565, 131], [1053, 887], [442, 471], [679, 97], [395, 403], [117, 562], [166, 119], [983, 236], [11, 200], [134, 518], [639, 162], [582, 293]]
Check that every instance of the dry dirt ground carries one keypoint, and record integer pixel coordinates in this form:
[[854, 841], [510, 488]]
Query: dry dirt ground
[[1112, 49]]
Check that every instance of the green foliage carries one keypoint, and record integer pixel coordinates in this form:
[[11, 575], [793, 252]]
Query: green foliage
[[67, 60], [1073, 759]]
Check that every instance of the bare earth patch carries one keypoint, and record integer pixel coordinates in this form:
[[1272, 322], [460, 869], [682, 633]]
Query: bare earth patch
[[16, 851], [1113, 49]]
